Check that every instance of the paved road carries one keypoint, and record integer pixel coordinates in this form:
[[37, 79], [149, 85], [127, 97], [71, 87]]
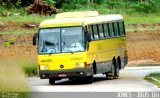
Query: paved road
[[131, 80]]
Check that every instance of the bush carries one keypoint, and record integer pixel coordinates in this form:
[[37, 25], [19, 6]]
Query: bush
[[10, 3], [29, 67], [148, 7], [9, 42], [15, 3], [12, 78], [50, 2], [115, 6]]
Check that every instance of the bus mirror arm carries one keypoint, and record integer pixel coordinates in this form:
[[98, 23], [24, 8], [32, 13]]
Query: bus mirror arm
[[87, 46], [88, 36], [34, 39]]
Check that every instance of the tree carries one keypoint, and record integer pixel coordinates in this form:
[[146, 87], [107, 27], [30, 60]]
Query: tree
[[8, 3]]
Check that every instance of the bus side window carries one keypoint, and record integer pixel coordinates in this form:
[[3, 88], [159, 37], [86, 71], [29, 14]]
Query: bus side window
[[95, 31], [91, 31], [111, 30], [106, 30], [121, 28], [100, 28], [116, 29]]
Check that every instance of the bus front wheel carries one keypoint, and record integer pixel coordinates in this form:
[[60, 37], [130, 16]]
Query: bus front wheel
[[89, 79], [51, 81]]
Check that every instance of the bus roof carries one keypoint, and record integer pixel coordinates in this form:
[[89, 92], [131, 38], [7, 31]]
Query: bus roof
[[75, 19], [77, 14]]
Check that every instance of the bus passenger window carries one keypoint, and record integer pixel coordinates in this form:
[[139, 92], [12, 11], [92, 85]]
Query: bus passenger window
[[111, 30], [121, 28], [116, 29], [91, 31], [95, 30], [106, 30], [100, 28]]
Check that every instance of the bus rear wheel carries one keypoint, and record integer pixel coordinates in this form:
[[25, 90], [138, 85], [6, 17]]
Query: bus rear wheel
[[117, 68], [114, 73], [110, 75], [52, 81]]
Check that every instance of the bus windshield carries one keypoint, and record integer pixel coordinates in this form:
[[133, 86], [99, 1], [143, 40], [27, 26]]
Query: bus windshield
[[61, 40]]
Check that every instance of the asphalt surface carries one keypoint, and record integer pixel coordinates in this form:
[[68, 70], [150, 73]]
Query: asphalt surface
[[130, 80]]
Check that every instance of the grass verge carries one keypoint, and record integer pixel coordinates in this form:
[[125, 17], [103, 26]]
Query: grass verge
[[138, 19], [145, 65], [20, 31], [13, 72], [12, 78], [154, 78], [147, 19], [28, 66], [129, 19], [26, 18]]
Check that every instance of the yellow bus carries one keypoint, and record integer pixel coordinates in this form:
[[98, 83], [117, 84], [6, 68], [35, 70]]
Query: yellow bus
[[80, 44]]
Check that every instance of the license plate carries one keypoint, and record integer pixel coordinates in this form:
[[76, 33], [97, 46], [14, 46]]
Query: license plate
[[62, 75]]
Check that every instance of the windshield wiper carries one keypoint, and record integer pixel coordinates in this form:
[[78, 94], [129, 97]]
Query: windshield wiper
[[50, 53], [71, 52]]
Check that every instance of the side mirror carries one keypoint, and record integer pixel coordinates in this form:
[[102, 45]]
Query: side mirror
[[34, 40], [88, 37]]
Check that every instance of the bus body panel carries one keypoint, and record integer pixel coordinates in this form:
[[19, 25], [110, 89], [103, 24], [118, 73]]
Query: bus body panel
[[68, 60], [70, 64], [80, 64], [103, 51]]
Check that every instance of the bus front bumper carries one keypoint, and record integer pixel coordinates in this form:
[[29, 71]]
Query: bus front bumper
[[78, 72]]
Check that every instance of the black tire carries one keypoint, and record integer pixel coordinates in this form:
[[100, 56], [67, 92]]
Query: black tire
[[119, 62], [94, 67], [72, 79], [52, 81], [116, 74], [110, 75], [89, 79], [107, 76], [117, 68]]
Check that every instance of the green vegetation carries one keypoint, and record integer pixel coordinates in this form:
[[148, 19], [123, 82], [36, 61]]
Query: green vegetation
[[134, 12], [151, 64], [129, 19], [18, 32], [104, 6], [111, 6], [154, 78], [12, 77], [28, 66], [9, 42], [25, 18], [145, 19]]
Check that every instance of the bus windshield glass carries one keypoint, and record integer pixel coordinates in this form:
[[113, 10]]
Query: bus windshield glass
[[61, 40]]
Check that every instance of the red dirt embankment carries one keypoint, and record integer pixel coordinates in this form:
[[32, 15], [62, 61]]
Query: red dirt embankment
[[144, 45], [22, 46]]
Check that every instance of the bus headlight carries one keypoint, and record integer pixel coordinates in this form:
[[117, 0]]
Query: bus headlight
[[79, 64], [43, 67]]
